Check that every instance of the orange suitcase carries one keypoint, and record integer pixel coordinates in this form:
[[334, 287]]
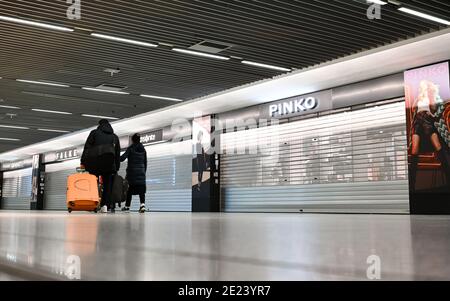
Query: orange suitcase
[[82, 192]]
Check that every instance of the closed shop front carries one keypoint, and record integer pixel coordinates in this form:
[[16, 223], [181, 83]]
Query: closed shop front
[[16, 189], [169, 177], [349, 161], [56, 184]]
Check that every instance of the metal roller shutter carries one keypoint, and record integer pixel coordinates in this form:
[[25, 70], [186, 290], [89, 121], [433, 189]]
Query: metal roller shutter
[[354, 161], [169, 167], [56, 184], [169, 177], [17, 189]]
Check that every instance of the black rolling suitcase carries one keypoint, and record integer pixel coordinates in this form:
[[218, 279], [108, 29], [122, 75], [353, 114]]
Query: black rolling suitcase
[[119, 190]]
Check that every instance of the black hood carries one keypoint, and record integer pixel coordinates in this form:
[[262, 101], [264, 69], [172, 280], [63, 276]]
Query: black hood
[[106, 128], [138, 148]]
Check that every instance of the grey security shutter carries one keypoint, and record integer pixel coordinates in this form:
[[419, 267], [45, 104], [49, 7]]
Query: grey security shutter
[[56, 184], [169, 177], [169, 168], [346, 162], [17, 190]]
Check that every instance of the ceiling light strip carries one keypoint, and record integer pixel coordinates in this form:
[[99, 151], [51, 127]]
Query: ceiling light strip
[[423, 15], [160, 97], [10, 107], [377, 2], [14, 127], [9, 139], [255, 64], [122, 40], [53, 131], [51, 112], [202, 54], [42, 83], [36, 24], [105, 91], [99, 117]]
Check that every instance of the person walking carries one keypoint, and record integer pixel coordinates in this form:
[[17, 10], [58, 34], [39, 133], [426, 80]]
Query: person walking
[[101, 157], [136, 172]]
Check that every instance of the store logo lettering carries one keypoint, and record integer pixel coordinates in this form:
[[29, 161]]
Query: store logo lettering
[[294, 106], [67, 154], [148, 138]]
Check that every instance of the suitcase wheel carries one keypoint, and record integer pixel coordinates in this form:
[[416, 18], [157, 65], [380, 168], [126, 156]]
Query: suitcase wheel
[[70, 210]]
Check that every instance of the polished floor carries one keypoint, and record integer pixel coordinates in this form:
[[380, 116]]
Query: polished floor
[[184, 246]]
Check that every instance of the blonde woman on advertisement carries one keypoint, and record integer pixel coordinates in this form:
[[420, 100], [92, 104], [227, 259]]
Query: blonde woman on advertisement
[[424, 129]]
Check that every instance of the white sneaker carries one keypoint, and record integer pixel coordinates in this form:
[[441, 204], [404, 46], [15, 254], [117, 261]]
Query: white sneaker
[[104, 209], [142, 210]]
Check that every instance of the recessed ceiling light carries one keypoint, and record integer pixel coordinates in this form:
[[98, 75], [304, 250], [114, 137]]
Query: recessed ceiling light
[[423, 15], [33, 23], [13, 127], [10, 107], [128, 41], [42, 83], [51, 112], [106, 91], [266, 66], [9, 139], [211, 56], [54, 131], [160, 97], [100, 117]]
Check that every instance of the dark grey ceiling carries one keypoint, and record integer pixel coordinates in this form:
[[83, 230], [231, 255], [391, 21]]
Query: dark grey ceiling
[[287, 33]]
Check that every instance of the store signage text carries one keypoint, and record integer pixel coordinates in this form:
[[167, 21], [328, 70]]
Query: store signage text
[[152, 137], [293, 106], [67, 154], [13, 165]]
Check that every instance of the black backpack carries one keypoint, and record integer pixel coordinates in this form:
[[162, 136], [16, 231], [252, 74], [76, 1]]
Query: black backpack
[[101, 159]]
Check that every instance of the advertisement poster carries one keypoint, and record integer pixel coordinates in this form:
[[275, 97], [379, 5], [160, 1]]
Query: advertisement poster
[[35, 179], [427, 93], [201, 137]]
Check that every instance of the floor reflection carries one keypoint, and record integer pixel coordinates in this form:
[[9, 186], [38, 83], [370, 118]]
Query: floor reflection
[[183, 246]]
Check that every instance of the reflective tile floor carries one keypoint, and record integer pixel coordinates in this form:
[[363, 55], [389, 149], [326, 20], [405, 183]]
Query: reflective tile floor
[[185, 246]]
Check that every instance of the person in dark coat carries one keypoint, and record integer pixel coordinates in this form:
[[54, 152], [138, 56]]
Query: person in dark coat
[[101, 157], [136, 172]]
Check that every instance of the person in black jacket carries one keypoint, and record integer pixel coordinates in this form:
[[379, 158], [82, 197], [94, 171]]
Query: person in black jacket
[[101, 157], [136, 172]]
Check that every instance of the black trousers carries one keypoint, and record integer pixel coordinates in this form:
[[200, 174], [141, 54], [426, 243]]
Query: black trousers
[[130, 196], [107, 190]]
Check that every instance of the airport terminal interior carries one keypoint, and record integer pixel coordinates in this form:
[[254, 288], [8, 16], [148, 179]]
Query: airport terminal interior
[[258, 140]]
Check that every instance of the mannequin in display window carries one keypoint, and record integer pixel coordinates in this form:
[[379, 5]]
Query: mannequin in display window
[[200, 159]]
